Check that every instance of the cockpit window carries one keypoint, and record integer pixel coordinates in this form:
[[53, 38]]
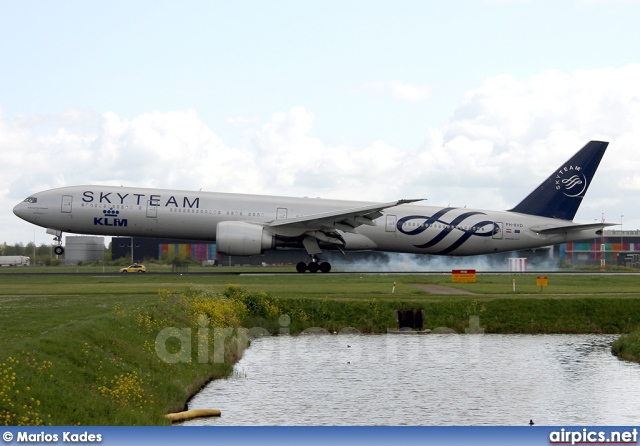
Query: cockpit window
[[31, 200]]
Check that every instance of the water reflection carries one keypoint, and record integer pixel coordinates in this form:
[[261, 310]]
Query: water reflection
[[426, 380]]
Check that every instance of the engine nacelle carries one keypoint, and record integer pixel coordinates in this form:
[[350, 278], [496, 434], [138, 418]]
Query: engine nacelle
[[238, 238]]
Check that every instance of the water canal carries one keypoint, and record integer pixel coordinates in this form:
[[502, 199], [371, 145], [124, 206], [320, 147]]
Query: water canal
[[426, 380]]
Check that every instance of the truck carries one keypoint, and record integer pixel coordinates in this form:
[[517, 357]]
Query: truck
[[14, 261]]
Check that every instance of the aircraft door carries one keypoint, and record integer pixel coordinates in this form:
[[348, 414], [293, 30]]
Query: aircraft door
[[497, 231], [391, 223], [67, 200], [152, 211], [281, 214]]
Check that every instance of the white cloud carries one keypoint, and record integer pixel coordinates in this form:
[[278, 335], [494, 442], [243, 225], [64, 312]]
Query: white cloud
[[503, 140], [542, 120]]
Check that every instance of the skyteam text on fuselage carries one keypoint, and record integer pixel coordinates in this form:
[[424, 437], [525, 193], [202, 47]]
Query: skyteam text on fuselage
[[246, 225]]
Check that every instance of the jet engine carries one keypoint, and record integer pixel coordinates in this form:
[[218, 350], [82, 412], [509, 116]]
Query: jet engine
[[238, 238]]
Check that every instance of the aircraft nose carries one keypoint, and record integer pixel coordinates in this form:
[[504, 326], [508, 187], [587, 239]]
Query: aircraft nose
[[20, 210], [33, 209], [24, 211]]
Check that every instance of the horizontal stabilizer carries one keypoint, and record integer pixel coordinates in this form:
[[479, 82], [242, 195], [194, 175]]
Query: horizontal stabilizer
[[570, 228]]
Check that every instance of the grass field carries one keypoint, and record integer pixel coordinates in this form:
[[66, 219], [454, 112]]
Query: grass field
[[81, 349], [32, 304]]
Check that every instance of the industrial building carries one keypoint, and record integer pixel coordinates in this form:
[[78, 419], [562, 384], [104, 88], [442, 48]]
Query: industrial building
[[614, 248]]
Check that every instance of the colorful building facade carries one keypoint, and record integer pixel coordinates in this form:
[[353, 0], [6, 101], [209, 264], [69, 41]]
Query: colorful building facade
[[618, 247], [193, 251]]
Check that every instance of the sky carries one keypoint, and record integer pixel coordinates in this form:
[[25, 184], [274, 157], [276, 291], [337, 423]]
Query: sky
[[465, 103]]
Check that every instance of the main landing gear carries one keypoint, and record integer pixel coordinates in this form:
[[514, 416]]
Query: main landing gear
[[313, 265]]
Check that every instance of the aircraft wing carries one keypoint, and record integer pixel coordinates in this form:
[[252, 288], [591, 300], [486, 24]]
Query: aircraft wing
[[344, 219], [570, 228]]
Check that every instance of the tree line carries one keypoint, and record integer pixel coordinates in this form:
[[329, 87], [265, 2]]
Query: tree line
[[43, 253]]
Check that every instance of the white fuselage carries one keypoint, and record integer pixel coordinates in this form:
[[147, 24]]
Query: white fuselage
[[163, 213]]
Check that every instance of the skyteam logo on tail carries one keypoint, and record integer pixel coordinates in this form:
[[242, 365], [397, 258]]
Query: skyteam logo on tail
[[571, 181], [110, 219]]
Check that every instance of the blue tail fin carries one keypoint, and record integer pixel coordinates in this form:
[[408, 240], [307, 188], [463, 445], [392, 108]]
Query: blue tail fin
[[560, 195]]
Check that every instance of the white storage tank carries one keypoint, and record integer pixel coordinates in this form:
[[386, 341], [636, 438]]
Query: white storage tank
[[85, 249]]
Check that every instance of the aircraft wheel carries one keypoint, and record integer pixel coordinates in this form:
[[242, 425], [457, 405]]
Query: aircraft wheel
[[313, 267], [59, 250], [325, 267], [301, 267]]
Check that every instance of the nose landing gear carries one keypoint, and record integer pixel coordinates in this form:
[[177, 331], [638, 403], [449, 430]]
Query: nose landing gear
[[57, 237]]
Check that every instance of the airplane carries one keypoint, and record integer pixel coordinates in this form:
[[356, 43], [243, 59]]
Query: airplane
[[248, 225]]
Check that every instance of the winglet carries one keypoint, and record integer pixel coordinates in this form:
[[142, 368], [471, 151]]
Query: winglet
[[560, 195], [407, 201]]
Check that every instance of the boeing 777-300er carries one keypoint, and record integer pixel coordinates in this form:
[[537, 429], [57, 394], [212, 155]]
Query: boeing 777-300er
[[247, 225]]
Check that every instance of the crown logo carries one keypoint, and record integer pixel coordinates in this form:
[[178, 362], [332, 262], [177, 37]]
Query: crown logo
[[110, 213]]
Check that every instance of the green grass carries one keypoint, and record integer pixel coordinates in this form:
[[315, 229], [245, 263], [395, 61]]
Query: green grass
[[627, 347], [90, 359], [82, 346]]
